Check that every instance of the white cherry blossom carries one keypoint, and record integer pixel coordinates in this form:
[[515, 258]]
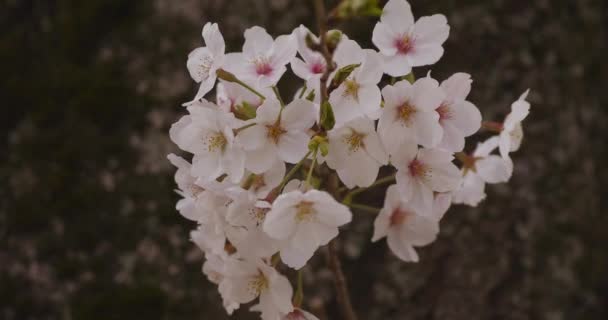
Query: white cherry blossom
[[278, 135], [263, 59], [312, 65], [248, 237], [482, 168], [512, 132], [420, 172], [247, 280], [404, 226], [409, 114], [303, 222], [405, 44], [187, 187], [359, 94], [203, 62], [356, 153], [207, 132], [458, 117], [215, 270]]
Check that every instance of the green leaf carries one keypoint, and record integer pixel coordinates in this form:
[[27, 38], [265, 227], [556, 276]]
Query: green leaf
[[327, 116], [311, 96], [343, 73]]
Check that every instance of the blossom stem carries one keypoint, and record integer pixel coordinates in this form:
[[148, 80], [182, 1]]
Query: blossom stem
[[239, 129], [303, 91], [227, 76], [349, 197], [292, 172], [411, 77], [322, 22], [365, 208], [278, 95], [299, 296], [312, 167], [342, 294]]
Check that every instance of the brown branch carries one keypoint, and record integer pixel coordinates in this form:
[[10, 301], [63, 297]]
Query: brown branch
[[342, 294], [329, 64]]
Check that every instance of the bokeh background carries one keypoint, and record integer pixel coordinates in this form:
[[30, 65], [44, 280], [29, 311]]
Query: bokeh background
[[88, 228]]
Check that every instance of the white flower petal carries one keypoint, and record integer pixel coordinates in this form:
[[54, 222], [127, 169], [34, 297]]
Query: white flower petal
[[257, 42], [466, 118], [384, 39], [398, 15], [293, 146], [457, 87], [431, 30], [403, 251]]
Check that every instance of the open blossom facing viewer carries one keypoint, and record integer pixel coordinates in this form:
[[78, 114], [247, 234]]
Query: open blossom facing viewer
[[268, 182], [208, 133], [356, 152], [409, 114], [359, 94], [404, 226], [203, 62], [420, 172], [247, 280], [263, 59], [303, 222], [277, 134], [406, 44], [458, 117]]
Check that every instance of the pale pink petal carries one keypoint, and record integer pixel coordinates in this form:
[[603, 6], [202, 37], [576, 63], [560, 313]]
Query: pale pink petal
[[431, 30], [428, 130], [384, 39], [280, 224], [257, 42], [214, 39], [494, 169], [452, 139], [466, 117], [301, 69], [300, 114], [426, 95], [397, 65], [427, 54], [402, 250], [293, 146], [397, 14], [283, 50], [253, 137], [260, 160], [457, 87], [381, 224]]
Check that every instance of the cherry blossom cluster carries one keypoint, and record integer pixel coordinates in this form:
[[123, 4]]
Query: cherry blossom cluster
[[359, 110]]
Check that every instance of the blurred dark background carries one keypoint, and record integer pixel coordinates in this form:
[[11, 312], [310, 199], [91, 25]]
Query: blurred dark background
[[88, 228]]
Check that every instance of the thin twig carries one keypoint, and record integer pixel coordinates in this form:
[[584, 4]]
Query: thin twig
[[349, 197], [342, 293], [322, 22]]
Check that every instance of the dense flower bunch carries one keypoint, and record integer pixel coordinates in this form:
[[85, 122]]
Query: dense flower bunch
[[336, 134]]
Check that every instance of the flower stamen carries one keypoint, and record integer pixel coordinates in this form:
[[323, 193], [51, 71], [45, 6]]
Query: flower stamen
[[304, 211], [274, 132], [405, 112], [215, 142]]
